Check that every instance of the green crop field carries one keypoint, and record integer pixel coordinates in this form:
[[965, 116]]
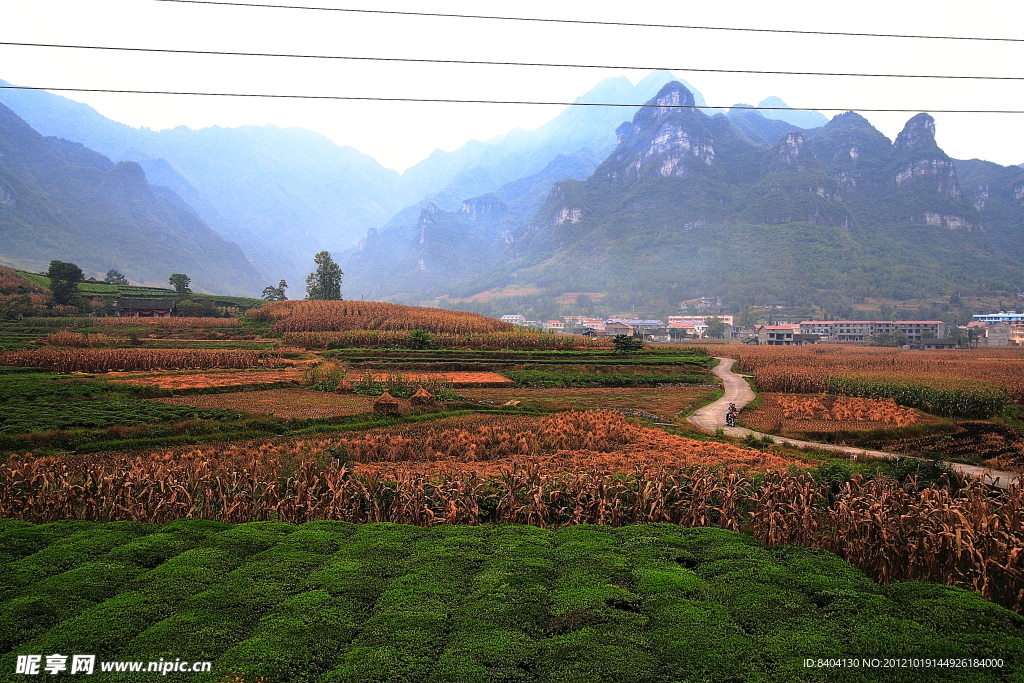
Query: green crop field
[[331, 601]]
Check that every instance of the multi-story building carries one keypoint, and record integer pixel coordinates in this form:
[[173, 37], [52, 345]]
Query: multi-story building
[[1012, 317], [778, 335], [727, 319], [514, 319], [860, 330]]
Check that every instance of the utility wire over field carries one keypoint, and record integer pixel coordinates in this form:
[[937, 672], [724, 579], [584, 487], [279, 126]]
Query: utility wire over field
[[496, 63], [597, 23], [530, 102]]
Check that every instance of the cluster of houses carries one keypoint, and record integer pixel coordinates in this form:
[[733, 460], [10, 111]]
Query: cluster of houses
[[676, 328], [1001, 329]]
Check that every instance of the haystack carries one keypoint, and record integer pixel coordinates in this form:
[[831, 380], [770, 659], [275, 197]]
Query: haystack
[[344, 387], [422, 397], [386, 404]]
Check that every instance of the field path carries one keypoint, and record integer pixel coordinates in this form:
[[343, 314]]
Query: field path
[[712, 416]]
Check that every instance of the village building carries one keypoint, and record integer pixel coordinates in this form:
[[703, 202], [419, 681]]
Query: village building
[[777, 335], [145, 308], [861, 330]]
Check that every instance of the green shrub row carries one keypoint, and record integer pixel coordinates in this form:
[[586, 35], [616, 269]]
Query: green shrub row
[[541, 378], [975, 401], [332, 601]]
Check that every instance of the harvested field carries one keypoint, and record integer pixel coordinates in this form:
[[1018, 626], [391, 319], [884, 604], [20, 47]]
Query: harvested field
[[213, 379], [781, 413], [666, 402], [458, 379], [290, 403], [994, 445]]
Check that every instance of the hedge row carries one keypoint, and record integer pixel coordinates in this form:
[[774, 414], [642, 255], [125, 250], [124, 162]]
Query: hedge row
[[337, 602]]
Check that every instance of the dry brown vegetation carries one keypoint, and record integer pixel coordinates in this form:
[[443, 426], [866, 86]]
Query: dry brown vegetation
[[336, 316], [804, 369], [169, 323], [80, 340], [951, 531], [215, 379], [487, 341], [106, 360], [289, 403]]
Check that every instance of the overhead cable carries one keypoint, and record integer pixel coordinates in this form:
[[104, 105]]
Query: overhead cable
[[493, 63], [527, 102], [594, 22]]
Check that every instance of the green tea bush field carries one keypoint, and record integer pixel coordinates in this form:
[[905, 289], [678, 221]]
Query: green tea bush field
[[338, 602], [544, 379]]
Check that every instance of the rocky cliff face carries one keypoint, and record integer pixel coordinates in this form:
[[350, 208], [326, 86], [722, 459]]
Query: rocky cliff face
[[663, 140], [688, 202], [795, 188], [926, 189]]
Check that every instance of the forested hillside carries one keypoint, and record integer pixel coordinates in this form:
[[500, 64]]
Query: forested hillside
[[61, 200]]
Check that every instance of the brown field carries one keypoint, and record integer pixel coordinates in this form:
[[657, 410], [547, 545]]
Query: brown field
[[455, 378], [665, 402], [213, 379], [107, 360], [781, 413], [490, 341], [169, 323], [565, 442], [290, 403], [336, 316], [803, 369]]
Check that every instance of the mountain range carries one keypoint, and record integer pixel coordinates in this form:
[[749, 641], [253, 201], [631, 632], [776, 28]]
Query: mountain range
[[734, 205], [61, 200], [742, 203]]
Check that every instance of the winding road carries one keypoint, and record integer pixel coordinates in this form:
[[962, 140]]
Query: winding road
[[712, 416]]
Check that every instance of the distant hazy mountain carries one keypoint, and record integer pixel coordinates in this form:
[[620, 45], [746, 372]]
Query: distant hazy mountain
[[283, 194], [800, 119], [61, 200], [688, 204], [292, 190], [425, 248]]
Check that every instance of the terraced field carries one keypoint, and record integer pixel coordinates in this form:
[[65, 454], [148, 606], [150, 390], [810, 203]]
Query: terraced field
[[332, 602]]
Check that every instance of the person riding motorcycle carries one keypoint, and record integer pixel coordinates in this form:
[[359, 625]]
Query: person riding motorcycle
[[730, 415]]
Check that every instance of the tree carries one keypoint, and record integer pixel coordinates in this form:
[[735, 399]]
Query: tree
[[625, 343], [180, 282], [273, 293], [115, 277], [716, 327], [894, 339], [64, 279], [420, 339], [325, 283]]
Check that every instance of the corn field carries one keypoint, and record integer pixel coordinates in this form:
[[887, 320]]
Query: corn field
[[956, 532], [107, 360], [337, 316], [805, 369], [487, 341], [167, 323], [80, 340]]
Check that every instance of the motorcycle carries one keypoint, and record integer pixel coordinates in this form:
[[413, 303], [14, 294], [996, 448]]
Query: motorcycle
[[730, 419]]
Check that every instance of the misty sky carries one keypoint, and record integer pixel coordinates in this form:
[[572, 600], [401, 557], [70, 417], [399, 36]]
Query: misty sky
[[400, 134]]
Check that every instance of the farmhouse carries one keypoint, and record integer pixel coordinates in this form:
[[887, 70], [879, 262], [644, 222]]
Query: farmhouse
[[145, 308]]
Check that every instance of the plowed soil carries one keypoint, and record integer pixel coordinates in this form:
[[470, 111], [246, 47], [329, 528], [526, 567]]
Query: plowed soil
[[290, 403]]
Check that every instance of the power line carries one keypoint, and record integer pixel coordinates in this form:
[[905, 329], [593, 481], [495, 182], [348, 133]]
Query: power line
[[529, 102], [491, 63], [595, 23]]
